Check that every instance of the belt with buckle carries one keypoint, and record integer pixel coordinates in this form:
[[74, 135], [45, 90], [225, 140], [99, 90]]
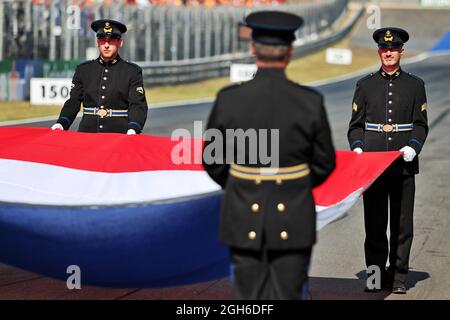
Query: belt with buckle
[[395, 127], [269, 174], [102, 112]]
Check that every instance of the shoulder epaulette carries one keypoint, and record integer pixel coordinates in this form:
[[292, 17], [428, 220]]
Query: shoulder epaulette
[[415, 77], [310, 89], [133, 64], [370, 75], [232, 86], [87, 62]]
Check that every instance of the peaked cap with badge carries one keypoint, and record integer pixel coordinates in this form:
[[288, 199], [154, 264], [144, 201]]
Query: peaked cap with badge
[[108, 28], [390, 37], [273, 27]]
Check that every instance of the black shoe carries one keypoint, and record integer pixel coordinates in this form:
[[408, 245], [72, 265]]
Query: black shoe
[[399, 288], [388, 286]]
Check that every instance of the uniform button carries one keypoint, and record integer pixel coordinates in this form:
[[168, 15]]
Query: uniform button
[[390, 102], [390, 111], [390, 138], [100, 126], [252, 235], [390, 93], [255, 207], [104, 78], [258, 181], [279, 182], [284, 235], [390, 84], [103, 87], [103, 97], [281, 207], [390, 120], [106, 70], [101, 107]]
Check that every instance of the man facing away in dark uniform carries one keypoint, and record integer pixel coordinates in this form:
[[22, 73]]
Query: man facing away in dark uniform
[[268, 216], [111, 89], [390, 113]]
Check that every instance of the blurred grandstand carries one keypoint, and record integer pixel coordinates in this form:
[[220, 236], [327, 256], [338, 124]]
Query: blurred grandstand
[[159, 30]]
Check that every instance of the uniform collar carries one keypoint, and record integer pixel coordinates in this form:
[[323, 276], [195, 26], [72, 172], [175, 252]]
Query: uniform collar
[[270, 72], [388, 76], [108, 63]]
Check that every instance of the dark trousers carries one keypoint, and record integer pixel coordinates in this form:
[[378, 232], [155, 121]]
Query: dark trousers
[[397, 194], [270, 274]]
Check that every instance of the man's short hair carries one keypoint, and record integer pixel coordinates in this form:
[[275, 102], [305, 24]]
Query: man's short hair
[[271, 52]]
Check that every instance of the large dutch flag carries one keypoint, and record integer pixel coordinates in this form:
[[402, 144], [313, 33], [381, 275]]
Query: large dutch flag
[[118, 207]]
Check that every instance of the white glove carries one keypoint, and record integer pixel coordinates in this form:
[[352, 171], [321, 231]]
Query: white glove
[[408, 153], [131, 132], [57, 126], [358, 150]]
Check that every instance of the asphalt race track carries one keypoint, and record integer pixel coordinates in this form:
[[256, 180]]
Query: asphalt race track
[[338, 269]]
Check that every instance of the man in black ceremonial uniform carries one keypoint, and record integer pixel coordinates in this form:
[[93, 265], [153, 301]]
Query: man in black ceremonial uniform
[[268, 216], [111, 89], [390, 113]]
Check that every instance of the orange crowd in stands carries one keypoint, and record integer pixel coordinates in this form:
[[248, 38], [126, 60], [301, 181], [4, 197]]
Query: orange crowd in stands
[[206, 3]]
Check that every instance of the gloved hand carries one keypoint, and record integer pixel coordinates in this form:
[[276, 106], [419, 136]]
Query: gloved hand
[[131, 132], [408, 153], [57, 126], [358, 150]]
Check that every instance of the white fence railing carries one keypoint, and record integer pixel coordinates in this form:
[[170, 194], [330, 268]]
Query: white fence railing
[[60, 29]]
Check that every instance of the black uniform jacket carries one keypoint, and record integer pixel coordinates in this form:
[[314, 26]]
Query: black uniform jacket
[[282, 212], [381, 98], [116, 85]]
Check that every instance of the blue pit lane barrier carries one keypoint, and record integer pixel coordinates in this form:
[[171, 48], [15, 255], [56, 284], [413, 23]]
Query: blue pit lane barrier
[[443, 44]]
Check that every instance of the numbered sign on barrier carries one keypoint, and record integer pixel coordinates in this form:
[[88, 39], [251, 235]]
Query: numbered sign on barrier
[[339, 56], [49, 91], [242, 72]]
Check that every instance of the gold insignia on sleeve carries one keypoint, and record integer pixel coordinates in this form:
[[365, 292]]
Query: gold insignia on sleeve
[[355, 106], [423, 107], [107, 28], [388, 37], [140, 90]]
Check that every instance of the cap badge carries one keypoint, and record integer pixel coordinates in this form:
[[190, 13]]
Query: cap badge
[[107, 28], [388, 37]]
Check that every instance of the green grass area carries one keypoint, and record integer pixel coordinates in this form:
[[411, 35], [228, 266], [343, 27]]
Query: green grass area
[[303, 70], [16, 110]]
